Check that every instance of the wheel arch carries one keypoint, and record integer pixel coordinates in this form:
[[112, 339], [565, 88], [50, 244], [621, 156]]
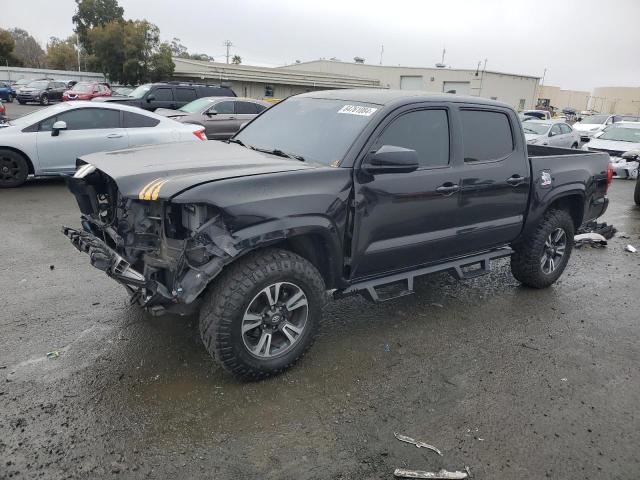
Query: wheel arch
[[30, 164], [573, 203]]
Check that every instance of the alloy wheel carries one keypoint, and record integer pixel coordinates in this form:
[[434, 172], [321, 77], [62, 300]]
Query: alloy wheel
[[554, 250], [9, 169], [275, 320]]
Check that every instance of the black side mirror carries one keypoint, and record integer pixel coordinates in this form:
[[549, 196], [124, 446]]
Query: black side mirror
[[151, 98], [391, 159], [210, 113]]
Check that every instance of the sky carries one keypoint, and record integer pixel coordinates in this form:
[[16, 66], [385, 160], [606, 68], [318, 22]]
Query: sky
[[582, 44]]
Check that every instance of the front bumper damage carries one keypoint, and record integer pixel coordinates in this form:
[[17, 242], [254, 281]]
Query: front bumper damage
[[164, 254]]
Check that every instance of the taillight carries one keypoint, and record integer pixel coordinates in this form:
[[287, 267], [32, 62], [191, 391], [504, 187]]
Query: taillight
[[2, 109], [200, 134], [609, 176]]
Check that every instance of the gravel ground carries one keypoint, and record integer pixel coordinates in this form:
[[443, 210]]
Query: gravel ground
[[513, 382]]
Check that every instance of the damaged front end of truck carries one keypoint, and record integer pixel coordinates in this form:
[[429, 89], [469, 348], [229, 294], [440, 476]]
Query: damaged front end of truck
[[164, 254]]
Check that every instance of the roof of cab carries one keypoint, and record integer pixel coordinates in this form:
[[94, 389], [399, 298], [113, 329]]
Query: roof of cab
[[388, 96]]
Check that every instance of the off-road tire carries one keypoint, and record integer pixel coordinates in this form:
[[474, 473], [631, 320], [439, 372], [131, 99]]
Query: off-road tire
[[636, 191], [526, 259], [44, 100], [12, 160], [229, 296]]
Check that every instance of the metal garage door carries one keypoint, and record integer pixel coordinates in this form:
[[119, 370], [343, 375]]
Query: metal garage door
[[411, 82], [461, 88]]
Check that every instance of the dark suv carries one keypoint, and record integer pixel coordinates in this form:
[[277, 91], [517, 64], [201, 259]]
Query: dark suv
[[172, 95], [41, 91]]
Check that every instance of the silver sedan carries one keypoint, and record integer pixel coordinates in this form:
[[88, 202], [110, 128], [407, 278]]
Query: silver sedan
[[551, 133], [48, 141]]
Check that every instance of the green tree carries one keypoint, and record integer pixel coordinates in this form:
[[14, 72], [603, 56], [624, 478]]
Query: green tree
[[7, 44], [178, 49], [130, 52], [95, 13], [27, 50], [236, 60], [62, 54]]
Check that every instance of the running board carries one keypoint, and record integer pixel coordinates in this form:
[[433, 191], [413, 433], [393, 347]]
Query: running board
[[462, 269]]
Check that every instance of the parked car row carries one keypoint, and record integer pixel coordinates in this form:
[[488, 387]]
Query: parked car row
[[592, 124]]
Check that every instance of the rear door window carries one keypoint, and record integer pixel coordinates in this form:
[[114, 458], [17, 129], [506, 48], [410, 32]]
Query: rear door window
[[486, 134], [246, 108], [185, 94], [565, 128], [163, 95], [135, 120]]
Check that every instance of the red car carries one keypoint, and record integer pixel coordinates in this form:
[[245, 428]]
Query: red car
[[86, 91]]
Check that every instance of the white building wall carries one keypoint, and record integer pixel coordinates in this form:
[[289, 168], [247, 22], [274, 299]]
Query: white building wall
[[622, 100], [12, 74], [507, 88]]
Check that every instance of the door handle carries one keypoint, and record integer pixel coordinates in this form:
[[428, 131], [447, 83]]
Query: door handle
[[114, 135], [232, 118], [515, 180], [448, 188]]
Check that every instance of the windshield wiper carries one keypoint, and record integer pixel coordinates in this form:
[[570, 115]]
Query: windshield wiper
[[235, 140], [280, 153]]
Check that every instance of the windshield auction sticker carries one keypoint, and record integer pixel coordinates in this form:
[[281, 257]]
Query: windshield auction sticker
[[358, 110]]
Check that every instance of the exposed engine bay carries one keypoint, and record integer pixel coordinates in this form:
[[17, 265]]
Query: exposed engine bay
[[164, 254]]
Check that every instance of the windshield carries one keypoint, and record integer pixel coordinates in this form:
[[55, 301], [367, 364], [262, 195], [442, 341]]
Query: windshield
[[40, 84], [319, 130], [140, 91], [196, 106], [536, 128], [621, 134], [83, 88], [595, 120]]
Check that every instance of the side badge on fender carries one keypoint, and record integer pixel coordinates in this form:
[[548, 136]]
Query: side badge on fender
[[151, 190], [545, 178]]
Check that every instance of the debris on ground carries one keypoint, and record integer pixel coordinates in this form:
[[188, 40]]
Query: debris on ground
[[439, 305], [440, 474], [607, 231], [592, 239], [53, 355], [404, 438], [468, 470], [631, 248], [52, 267]]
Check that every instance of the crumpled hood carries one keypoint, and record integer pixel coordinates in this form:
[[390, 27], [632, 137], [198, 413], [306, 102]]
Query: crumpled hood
[[163, 171]]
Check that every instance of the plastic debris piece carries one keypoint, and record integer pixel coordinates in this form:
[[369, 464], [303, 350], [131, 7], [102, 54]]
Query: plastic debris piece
[[404, 438], [52, 267], [387, 348], [607, 231], [631, 248], [53, 355], [468, 470], [439, 305], [593, 239], [440, 474]]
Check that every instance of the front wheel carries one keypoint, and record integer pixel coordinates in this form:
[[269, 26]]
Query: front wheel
[[262, 313], [10, 99], [575, 145], [13, 169], [636, 192], [539, 260], [44, 100]]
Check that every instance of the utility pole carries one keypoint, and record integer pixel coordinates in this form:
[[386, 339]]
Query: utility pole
[[481, 78], [78, 49], [228, 44], [381, 52]]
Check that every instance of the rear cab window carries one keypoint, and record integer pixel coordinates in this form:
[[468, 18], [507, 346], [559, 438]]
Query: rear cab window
[[487, 135]]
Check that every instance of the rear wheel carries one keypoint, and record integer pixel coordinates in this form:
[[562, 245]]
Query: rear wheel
[[636, 192], [13, 169], [262, 313], [539, 260]]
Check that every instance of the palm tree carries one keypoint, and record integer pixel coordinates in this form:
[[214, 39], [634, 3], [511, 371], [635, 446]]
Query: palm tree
[[236, 60]]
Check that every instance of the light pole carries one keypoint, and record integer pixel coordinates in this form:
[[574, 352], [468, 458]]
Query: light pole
[[78, 49]]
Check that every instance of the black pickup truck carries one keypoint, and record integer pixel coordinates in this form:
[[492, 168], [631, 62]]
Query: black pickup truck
[[346, 191]]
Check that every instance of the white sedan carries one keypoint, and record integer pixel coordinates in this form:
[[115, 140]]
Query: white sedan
[[552, 133], [48, 141]]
